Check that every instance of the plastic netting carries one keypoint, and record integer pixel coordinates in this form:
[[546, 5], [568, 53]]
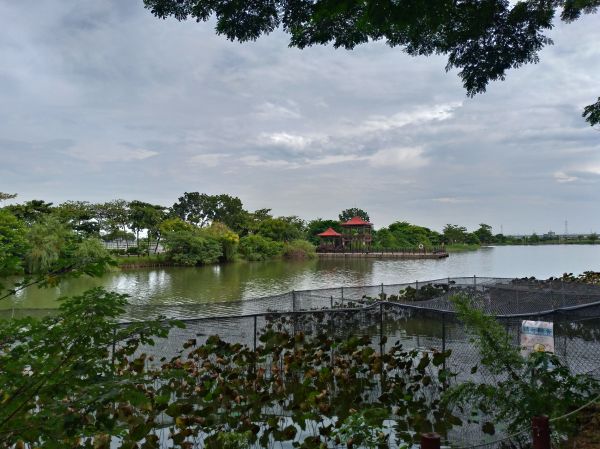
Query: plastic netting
[[419, 315]]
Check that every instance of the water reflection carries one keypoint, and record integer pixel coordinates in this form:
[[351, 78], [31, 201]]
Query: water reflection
[[188, 286]]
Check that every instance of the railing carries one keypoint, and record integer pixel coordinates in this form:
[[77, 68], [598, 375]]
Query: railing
[[339, 249]]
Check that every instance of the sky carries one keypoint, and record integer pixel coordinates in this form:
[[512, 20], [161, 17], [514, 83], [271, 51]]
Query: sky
[[101, 100]]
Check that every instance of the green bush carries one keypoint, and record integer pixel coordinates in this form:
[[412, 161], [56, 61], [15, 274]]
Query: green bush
[[228, 239], [13, 243], [299, 249], [89, 250], [189, 248], [133, 251], [256, 247]]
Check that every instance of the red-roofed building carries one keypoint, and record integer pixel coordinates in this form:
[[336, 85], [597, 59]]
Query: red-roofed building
[[357, 221], [356, 236], [331, 240], [330, 232]]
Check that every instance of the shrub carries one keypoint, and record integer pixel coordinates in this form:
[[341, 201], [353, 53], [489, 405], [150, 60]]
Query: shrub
[[299, 249], [90, 250], [228, 239], [256, 247], [13, 243], [528, 385], [189, 248], [133, 251]]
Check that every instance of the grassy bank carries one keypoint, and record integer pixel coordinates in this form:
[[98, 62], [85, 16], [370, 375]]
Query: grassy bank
[[151, 260], [461, 247]]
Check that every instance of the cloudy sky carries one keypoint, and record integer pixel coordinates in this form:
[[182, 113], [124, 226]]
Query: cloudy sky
[[100, 100]]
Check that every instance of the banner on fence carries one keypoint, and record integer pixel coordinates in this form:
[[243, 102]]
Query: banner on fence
[[537, 336]]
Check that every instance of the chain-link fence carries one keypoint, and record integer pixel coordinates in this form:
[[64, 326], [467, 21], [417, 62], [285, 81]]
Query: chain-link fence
[[419, 315]]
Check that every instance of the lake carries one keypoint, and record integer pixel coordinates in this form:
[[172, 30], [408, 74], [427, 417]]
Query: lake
[[243, 280]]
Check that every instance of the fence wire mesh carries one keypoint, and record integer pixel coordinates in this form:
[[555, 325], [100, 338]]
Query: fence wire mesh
[[419, 315]]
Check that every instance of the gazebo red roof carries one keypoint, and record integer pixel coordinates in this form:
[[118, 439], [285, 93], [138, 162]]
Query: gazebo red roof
[[356, 221], [330, 232]]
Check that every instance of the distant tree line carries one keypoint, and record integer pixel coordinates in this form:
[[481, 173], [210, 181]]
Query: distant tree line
[[197, 229]]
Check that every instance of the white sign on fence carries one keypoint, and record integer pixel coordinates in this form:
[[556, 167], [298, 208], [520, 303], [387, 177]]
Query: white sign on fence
[[537, 336]]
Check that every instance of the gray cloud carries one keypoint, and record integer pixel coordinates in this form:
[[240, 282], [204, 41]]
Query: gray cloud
[[101, 100]]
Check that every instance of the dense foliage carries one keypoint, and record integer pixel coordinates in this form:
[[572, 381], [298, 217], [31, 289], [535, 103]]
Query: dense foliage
[[528, 385], [257, 247], [81, 380], [482, 39], [37, 237], [60, 385], [298, 250]]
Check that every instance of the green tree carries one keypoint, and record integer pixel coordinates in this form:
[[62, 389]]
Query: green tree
[[257, 247], [455, 234], [484, 233], [13, 244], [406, 235], [6, 196], [472, 239], [148, 217], [113, 216], [319, 225], [228, 239], [31, 211], [482, 39], [90, 250], [383, 239], [49, 242], [201, 209], [80, 215], [279, 229], [175, 224], [190, 248], [347, 214], [593, 237]]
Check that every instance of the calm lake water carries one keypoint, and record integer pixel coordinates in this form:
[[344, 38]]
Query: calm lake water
[[164, 286]]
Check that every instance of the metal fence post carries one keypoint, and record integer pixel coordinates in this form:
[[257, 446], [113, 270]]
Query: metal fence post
[[342, 288], [114, 345], [255, 333], [475, 281], [382, 291], [331, 301], [293, 300], [444, 336], [430, 441], [381, 329], [540, 426]]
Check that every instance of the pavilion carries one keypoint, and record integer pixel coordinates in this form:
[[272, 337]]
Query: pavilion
[[331, 240], [356, 236]]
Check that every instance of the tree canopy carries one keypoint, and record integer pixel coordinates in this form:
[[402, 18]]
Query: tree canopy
[[481, 38], [348, 214]]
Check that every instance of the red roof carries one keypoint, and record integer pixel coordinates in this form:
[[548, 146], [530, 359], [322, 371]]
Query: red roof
[[356, 221], [330, 232]]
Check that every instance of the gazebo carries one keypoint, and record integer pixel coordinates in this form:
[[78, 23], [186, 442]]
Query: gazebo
[[357, 234], [330, 240]]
